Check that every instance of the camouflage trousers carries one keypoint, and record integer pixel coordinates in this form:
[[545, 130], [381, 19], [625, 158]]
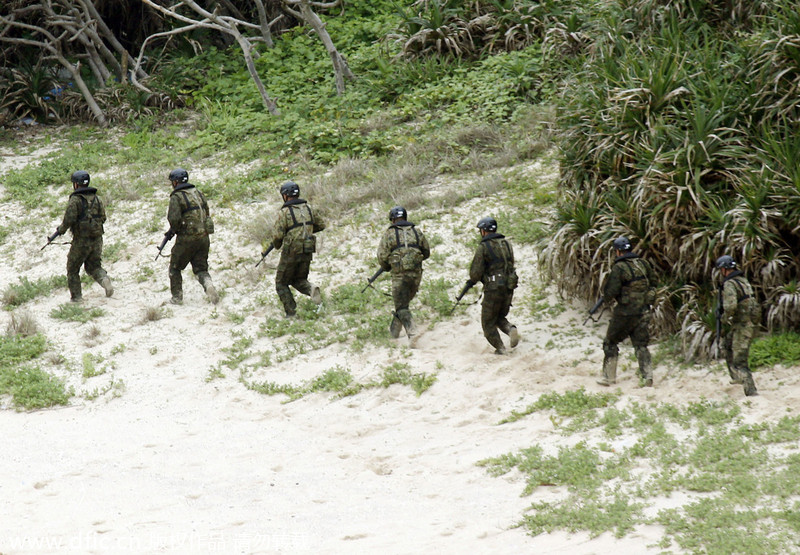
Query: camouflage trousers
[[86, 252], [495, 307], [637, 328], [292, 271], [404, 288], [188, 250], [736, 345]]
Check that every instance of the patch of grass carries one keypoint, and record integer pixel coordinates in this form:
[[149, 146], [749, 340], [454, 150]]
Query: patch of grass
[[22, 323], [778, 348], [73, 312], [89, 365], [153, 314], [16, 349], [567, 404], [32, 388], [26, 290]]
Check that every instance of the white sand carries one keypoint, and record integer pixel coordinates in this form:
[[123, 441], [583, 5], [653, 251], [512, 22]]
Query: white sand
[[177, 464]]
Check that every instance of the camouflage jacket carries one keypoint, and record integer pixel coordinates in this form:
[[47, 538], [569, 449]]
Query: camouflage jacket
[[738, 303], [493, 263], [85, 214], [295, 226], [403, 248], [188, 213], [632, 284]]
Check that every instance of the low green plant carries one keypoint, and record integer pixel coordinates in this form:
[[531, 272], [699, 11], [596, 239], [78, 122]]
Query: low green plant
[[777, 348], [16, 294], [73, 312], [89, 365], [33, 388]]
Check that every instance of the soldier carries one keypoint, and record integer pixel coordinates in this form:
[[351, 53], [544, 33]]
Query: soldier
[[84, 217], [294, 230], [738, 311], [191, 221], [493, 265], [401, 250], [632, 284]]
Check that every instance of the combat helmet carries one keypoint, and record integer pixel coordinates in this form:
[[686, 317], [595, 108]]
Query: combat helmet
[[180, 175], [290, 189], [398, 213], [488, 223], [725, 261], [81, 177], [622, 243]]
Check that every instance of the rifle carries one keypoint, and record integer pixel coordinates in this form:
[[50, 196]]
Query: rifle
[[467, 287], [264, 254], [594, 309], [50, 239], [167, 237], [370, 281]]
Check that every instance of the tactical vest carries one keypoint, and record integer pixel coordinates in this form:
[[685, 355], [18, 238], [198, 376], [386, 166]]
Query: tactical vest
[[306, 222], [636, 291], [500, 273], [747, 307], [90, 217], [193, 216], [406, 254]]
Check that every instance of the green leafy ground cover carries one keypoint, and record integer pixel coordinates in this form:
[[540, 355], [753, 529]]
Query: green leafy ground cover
[[741, 478]]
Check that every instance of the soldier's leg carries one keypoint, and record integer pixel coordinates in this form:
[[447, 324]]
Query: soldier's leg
[[502, 321], [302, 266], [75, 259], [402, 293], [200, 268], [284, 276], [727, 348], [490, 311], [640, 338], [742, 336], [616, 332], [93, 266], [178, 260]]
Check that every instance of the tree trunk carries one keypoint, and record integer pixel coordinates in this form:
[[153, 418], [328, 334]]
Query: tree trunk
[[340, 68]]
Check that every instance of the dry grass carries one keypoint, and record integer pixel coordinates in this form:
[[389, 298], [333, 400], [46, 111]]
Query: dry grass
[[22, 323]]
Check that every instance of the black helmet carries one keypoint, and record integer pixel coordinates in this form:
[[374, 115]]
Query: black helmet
[[725, 261], [488, 223], [180, 175], [622, 244], [290, 189], [398, 213], [81, 178]]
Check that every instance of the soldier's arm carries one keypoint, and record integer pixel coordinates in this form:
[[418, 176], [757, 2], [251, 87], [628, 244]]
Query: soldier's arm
[[102, 210], [319, 221], [729, 302], [384, 250], [477, 267], [174, 213], [424, 246], [70, 215], [613, 285], [279, 230]]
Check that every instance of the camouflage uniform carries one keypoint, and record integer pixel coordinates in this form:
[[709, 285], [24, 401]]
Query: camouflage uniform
[[401, 251], [631, 284], [191, 221], [84, 217], [493, 265], [293, 233], [740, 311]]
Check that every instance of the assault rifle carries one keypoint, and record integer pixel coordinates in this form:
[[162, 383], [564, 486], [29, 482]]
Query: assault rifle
[[50, 239], [467, 286], [371, 280], [264, 254], [594, 309], [167, 238]]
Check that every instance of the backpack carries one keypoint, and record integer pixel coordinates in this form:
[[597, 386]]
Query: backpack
[[406, 254], [193, 216], [748, 305], [501, 272], [309, 240], [90, 219]]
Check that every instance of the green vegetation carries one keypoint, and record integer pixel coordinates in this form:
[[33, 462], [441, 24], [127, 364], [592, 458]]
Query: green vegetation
[[340, 381], [29, 386], [16, 294], [73, 312], [701, 449], [778, 348]]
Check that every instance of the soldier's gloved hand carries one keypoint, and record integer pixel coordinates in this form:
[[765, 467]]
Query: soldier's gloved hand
[[470, 284], [169, 234]]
